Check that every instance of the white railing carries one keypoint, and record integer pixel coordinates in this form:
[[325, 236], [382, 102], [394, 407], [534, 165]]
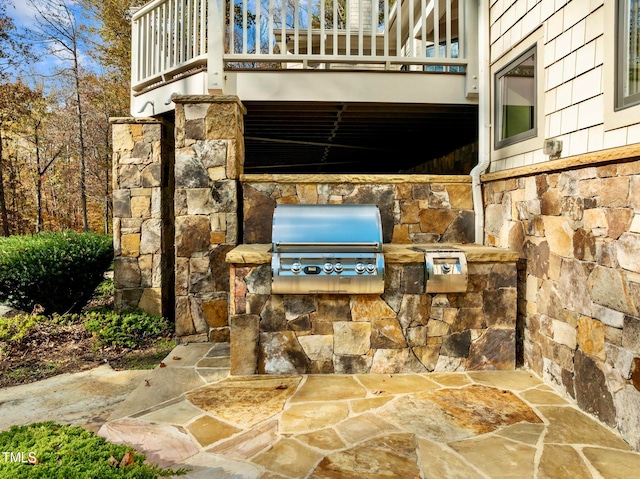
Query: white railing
[[175, 37], [169, 37]]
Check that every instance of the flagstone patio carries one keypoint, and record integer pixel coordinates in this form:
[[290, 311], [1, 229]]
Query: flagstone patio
[[491, 424]]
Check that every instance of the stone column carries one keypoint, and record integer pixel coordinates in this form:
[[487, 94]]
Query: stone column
[[143, 215], [209, 158]]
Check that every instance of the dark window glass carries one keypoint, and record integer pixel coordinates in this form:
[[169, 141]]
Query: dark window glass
[[515, 90], [628, 53]]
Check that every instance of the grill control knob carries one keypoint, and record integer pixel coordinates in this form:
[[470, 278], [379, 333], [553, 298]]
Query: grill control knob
[[371, 268], [359, 268], [296, 267], [327, 268], [338, 267]]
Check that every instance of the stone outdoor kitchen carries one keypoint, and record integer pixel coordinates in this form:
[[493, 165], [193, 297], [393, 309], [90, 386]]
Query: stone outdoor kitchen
[[223, 291]]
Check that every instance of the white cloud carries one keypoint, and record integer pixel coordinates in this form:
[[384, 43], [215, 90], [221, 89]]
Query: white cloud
[[22, 13]]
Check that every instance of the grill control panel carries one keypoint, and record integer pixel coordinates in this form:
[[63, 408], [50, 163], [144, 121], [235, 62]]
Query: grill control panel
[[302, 266], [327, 272]]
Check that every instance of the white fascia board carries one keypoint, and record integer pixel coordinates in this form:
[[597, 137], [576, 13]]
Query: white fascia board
[[374, 87], [158, 100]]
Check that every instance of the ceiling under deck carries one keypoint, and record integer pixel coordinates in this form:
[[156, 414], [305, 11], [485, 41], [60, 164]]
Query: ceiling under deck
[[307, 137]]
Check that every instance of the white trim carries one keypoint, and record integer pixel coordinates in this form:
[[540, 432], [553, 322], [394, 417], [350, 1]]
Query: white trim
[[348, 86], [158, 100], [537, 142], [627, 116]]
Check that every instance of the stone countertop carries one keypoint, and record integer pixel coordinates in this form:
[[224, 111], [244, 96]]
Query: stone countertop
[[393, 253]]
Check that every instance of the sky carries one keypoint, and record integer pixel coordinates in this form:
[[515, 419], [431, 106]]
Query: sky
[[23, 15]]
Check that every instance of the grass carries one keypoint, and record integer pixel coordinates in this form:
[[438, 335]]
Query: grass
[[48, 450]]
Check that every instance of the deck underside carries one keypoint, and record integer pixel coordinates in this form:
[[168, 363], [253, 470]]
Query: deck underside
[[340, 137], [339, 122]]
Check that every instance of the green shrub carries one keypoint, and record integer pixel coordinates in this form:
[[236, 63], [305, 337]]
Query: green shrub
[[58, 271], [13, 329], [105, 289], [51, 451], [127, 329]]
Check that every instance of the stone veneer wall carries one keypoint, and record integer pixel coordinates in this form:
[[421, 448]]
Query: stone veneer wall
[[402, 330], [143, 214], [414, 208], [209, 158], [579, 231]]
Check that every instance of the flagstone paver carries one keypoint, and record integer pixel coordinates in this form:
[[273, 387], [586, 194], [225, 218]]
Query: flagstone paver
[[570, 426], [388, 456], [390, 384], [362, 427], [162, 385], [289, 457], [85, 399], [163, 444], [250, 442], [245, 402], [211, 466], [562, 461], [307, 416], [498, 457], [362, 405], [187, 355], [439, 461], [329, 388], [613, 464], [522, 432], [325, 439], [536, 396], [178, 413], [208, 430]]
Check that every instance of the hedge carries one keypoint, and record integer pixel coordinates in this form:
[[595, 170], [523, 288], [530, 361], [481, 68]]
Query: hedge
[[58, 271]]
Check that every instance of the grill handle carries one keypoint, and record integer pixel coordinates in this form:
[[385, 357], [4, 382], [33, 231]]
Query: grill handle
[[304, 246]]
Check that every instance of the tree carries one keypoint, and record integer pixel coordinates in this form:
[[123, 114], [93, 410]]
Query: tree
[[341, 11], [44, 150], [13, 52], [113, 19], [56, 27], [16, 101], [105, 99]]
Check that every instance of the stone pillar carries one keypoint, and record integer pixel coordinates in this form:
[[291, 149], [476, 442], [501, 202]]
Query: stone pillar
[[143, 215], [209, 159]]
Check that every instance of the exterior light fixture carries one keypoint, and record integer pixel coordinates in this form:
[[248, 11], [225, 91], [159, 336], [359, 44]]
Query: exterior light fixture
[[552, 148]]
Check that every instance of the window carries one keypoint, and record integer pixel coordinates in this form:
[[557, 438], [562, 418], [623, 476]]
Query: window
[[515, 91], [628, 54], [442, 51]]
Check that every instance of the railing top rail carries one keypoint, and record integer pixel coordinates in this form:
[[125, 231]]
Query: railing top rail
[[344, 59], [142, 11]]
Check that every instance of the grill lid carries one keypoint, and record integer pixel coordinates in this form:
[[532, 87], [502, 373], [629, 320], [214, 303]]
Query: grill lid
[[327, 228]]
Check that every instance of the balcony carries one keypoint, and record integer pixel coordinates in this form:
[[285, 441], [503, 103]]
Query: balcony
[[344, 51]]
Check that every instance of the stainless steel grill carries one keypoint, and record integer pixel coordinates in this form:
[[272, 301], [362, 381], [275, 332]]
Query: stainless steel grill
[[327, 249]]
